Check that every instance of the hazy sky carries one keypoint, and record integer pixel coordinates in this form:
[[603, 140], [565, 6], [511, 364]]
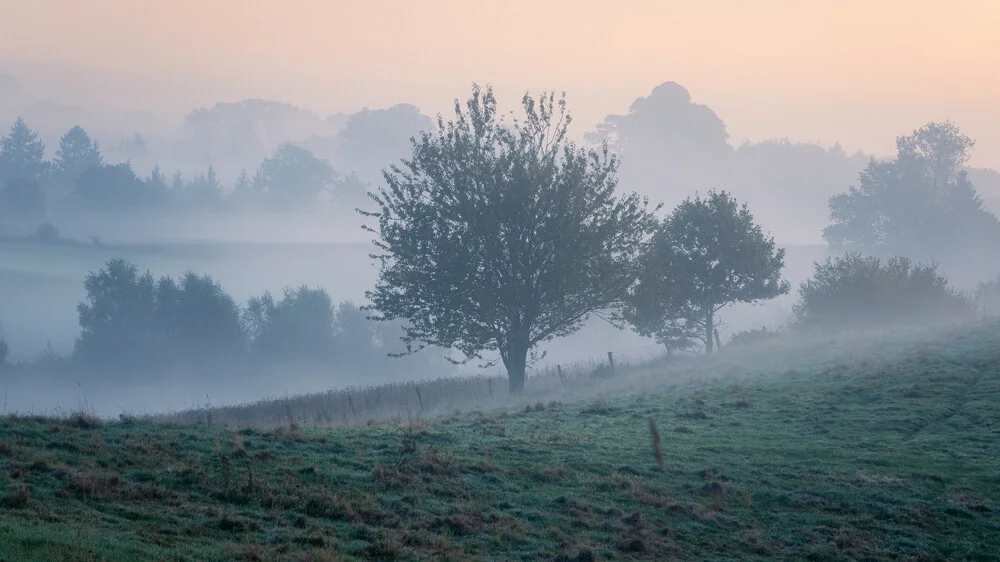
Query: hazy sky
[[860, 72]]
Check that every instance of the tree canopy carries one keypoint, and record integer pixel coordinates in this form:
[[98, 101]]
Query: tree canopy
[[706, 255], [22, 154], [496, 236], [129, 319], [77, 152], [920, 204], [293, 177]]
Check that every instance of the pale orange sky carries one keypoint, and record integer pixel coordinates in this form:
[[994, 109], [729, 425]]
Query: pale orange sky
[[859, 72]]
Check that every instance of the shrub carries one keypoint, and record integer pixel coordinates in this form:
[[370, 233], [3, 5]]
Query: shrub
[[754, 336], [855, 291]]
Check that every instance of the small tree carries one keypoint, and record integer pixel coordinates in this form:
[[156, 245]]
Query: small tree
[[22, 154], [857, 292], [705, 256], [497, 236], [77, 152]]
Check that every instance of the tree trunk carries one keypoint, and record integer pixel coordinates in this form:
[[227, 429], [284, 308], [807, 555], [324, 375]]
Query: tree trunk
[[517, 360], [709, 329]]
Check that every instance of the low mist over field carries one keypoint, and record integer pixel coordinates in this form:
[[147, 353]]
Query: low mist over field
[[654, 275]]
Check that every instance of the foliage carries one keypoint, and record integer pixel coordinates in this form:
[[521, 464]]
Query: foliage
[[204, 191], [299, 326], [667, 141], [129, 320], [706, 255], [77, 152], [22, 154], [920, 204], [497, 236], [115, 186], [293, 178], [373, 137], [858, 292]]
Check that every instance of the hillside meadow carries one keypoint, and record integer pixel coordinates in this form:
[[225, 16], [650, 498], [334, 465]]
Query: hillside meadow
[[877, 447]]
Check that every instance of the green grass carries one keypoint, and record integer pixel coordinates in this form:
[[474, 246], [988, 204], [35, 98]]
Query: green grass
[[891, 452]]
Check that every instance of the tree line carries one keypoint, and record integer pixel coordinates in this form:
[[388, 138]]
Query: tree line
[[79, 176], [497, 235], [132, 323]]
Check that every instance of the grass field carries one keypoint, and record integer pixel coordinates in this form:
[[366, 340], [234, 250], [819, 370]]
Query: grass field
[[888, 450]]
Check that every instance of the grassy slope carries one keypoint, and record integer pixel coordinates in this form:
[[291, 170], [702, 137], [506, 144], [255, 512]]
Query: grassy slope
[[890, 456]]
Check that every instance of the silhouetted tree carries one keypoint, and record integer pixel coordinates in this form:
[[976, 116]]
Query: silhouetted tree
[[22, 154], [77, 152], [243, 184], [920, 204], [205, 190], [498, 236], [198, 318], [177, 183], [293, 177], [299, 326], [706, 255], [128, 320], [113, 186], [374, 138], [666, 140], [858, 292], [248, 130], [118, 318], [157, 182]]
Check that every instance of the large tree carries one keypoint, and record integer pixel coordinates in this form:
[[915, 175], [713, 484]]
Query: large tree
[[706, 255], [294, 177], [22, 154], [77, 152], [919, 204], [496, 236]]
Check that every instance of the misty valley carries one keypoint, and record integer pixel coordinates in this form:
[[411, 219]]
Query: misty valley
[[494, 334]]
